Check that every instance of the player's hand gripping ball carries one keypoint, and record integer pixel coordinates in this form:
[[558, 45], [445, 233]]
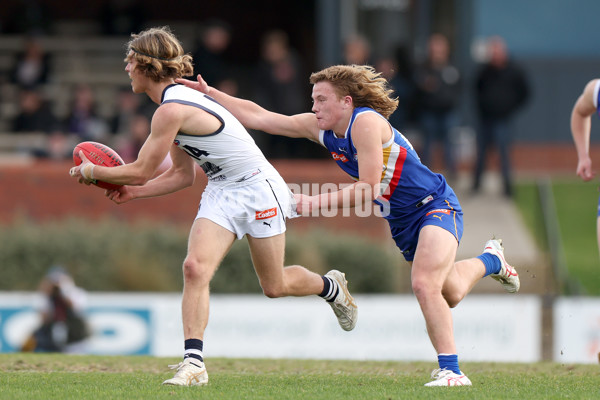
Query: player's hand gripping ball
[[98, 154]]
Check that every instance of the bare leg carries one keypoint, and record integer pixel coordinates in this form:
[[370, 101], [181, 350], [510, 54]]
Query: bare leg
[[275, 279], [207, 245], [434, 259], [461, 279]]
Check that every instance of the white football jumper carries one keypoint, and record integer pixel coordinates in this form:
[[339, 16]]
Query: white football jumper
[[245, 194]]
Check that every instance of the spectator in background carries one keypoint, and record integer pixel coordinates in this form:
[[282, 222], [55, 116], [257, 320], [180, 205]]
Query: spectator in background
[[501, 89], [35, 116], [399, 74], [438, 92], [131, 125], [357, 50], [137, 133], [279, 83], [35, 113], [127, 108], [32, 66], [83, 120], [210, 57], [129, 144], [63, 327]]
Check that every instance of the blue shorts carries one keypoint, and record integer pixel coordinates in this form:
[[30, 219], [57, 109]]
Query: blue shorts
[[598, 207], [445, 213]]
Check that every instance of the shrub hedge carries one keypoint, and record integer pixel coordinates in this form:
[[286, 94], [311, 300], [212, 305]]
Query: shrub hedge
[[114, 256]]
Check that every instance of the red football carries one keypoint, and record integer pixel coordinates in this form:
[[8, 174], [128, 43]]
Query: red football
[[98, 154]]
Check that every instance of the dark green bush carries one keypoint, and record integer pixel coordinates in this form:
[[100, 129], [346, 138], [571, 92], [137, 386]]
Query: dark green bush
[[110, 255]]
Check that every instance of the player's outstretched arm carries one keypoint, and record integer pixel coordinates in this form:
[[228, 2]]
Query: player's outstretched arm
[[581, 121], [253, 116], [367, 134]]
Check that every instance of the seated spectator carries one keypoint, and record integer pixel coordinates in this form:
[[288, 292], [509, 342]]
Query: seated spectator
[[32, 65], [83, 120], [127, 106], [35, 113], [36, 116], [134, 137], [128, 144]]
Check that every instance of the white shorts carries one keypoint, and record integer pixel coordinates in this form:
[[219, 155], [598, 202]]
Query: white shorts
[[258, 208]]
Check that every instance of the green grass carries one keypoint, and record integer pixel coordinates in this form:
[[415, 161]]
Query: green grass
[[57, 376], [576, 205]]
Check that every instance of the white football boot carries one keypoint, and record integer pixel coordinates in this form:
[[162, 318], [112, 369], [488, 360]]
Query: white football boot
[[508, 276], [190, 372], [343, 306], [446, 377]]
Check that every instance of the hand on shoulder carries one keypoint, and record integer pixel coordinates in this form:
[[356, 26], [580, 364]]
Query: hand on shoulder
[[200, 85]]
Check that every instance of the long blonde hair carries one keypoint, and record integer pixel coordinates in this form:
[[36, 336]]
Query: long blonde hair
[[361, 82], [159, 54]]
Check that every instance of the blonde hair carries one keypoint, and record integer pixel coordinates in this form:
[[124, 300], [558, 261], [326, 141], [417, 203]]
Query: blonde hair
[[361, 82], [159, 54]]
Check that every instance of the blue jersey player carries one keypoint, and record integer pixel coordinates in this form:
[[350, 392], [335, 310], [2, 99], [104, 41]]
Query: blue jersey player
[[351, 104], [581, 122]]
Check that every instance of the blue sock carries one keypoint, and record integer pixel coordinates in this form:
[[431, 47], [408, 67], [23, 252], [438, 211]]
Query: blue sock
[[193, 349], [493, 265], [449, 361]]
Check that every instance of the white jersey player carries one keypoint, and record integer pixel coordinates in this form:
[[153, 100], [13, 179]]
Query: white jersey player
[[245, 195]]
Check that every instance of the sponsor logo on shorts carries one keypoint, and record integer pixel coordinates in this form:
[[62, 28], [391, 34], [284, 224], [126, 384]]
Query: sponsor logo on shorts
[[270, 213], [439, 210]]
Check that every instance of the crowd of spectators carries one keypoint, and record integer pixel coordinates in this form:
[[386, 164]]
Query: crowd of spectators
[[430, 93]]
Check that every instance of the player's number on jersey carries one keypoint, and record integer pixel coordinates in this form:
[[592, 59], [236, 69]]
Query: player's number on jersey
[[195, 152]]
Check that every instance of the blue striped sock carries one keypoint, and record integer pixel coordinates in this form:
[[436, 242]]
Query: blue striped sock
[[449, 361], [493, 265]]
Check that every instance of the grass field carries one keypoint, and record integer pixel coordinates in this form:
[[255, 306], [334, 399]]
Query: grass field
[[576, 207], [578, 202], [56, 376]]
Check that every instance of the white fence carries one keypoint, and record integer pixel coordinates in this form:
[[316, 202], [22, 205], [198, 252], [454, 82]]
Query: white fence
[[487, 327]]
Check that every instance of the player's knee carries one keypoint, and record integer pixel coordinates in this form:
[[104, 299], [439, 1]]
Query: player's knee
[[195, 272], [422, 288], [273, 291], [452, 300]]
